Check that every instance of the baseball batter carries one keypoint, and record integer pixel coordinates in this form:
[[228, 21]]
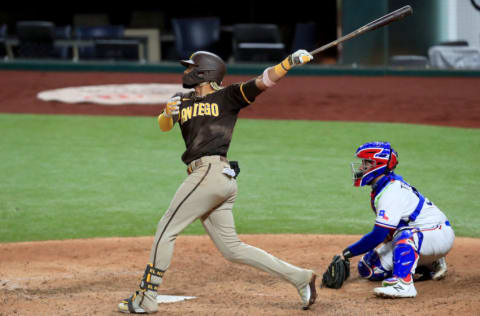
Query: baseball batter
[[414, 230], [207, 117]]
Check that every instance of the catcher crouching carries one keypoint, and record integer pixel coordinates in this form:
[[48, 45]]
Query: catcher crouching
[[416, 234]]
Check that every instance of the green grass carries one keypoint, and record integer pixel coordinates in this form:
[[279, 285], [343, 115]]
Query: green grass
[[79, 176]]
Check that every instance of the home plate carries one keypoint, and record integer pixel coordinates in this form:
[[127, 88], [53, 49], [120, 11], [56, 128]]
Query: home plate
[[172, 298]]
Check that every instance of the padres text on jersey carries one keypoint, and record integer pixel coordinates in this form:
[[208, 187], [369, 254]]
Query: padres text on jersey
[[198, 109]]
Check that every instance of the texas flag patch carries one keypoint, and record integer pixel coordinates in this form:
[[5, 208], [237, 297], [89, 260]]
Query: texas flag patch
[[382, 214]]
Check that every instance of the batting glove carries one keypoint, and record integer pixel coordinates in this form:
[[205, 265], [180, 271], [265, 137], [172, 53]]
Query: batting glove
[[301, 57], [172, 106]]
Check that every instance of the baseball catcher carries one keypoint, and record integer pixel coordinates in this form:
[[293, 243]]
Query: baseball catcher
[[414, 231]]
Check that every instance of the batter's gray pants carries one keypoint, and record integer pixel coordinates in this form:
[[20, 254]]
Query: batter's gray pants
[[208, 194]]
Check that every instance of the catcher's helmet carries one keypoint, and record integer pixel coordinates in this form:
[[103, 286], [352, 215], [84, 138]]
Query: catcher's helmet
[[208, 67], [383, 160]]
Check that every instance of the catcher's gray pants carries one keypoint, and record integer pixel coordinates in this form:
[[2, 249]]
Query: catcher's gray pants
[[208, 194]]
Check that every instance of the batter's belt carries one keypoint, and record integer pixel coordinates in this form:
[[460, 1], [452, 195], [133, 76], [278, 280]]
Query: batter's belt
[[204, 160]]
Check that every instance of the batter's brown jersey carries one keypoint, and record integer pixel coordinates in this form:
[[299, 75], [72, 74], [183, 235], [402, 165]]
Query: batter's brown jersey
[[207, 122]]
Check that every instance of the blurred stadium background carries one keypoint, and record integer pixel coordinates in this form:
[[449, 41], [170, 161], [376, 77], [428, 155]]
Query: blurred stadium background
[[164, 31]]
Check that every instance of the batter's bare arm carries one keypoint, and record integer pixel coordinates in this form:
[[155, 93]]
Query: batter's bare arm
[[272, 74]]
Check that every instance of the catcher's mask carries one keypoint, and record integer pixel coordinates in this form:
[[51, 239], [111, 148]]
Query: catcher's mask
[[207, 67], [377, 158]]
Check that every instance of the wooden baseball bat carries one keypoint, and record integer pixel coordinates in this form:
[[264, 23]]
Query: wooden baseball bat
[[384, 20]]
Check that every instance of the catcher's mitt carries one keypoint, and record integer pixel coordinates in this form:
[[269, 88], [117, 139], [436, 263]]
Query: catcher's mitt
[[338, 271]]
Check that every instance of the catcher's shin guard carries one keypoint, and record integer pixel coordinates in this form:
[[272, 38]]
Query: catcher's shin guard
[[370, 267], [144, 301], [406, 254]]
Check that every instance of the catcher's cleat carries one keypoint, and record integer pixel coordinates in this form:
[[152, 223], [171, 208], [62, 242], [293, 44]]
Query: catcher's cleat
[[308, 293], [390, 281], [395, 288], [439, 269]]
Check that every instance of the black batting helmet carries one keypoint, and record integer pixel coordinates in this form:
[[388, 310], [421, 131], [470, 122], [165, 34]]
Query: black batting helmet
[[208, 68]]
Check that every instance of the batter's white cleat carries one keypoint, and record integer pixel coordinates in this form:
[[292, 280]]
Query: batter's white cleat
[[439, 269], [308, 293], [133, 304], [130, 306], [395, 288]]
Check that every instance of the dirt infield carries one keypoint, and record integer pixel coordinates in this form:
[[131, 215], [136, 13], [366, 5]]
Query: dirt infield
[[89, 277]]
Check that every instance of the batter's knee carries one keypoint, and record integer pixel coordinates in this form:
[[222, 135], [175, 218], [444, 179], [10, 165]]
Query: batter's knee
[[232, 252], [370, 267]]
